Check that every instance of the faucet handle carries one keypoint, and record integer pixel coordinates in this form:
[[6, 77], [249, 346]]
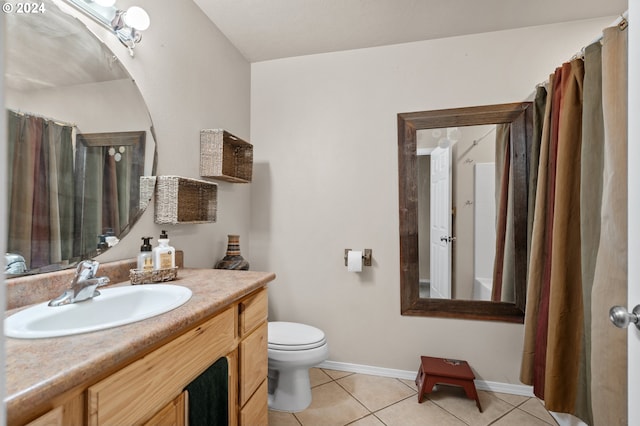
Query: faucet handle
[[87, 269]]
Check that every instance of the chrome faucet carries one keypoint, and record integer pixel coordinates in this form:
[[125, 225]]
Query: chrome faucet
[[83, 286]]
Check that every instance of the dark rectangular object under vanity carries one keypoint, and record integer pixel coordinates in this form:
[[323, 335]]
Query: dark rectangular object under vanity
[[208, 403], [225, 156]]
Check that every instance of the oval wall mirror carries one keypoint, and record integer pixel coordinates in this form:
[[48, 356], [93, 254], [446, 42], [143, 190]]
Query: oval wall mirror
[[443, 158], [80, 139]]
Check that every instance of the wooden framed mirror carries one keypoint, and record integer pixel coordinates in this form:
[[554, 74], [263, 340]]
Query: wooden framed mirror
[[519, 119]]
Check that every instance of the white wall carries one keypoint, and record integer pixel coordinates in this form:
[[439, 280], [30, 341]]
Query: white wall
[[77, 105], [192, 78], [325, 144]]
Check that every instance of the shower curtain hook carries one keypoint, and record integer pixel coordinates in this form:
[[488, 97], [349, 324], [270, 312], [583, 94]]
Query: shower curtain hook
[[624, 23]]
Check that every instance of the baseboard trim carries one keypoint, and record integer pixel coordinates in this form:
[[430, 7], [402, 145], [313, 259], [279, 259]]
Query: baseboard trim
[[509, 388]]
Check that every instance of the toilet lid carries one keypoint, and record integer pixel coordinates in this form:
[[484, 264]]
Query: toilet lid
[[291, 336]]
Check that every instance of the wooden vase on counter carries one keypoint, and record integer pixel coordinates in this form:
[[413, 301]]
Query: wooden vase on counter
[[233, 258]]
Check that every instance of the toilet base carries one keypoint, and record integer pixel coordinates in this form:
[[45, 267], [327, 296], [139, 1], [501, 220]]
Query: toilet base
[[292, 392]]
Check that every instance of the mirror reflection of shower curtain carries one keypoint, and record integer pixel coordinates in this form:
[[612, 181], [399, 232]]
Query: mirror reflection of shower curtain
[[89, 198], [116, 198], [40, 182], [503, 270]]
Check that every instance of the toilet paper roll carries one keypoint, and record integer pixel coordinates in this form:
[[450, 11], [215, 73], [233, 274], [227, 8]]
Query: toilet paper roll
[[354, 261]]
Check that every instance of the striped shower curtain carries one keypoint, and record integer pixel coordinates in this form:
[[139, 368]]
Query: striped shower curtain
[[40, 203], [574, 358]]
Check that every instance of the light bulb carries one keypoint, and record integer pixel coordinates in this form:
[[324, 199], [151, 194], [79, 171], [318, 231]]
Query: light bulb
[[105, 3], [136, 17]]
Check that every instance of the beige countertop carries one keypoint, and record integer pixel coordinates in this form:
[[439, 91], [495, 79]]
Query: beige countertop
[[38, 370]]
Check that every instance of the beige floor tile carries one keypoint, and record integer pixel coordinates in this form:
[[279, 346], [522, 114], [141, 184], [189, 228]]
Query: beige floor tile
[[535, 407], [335, 374], [514, 400], [342, 398], [370, 420], [375, 392], [454, 400], [331, 405], [280, 418], [520, 418], [318, 377], [410, 413], [410, 383]]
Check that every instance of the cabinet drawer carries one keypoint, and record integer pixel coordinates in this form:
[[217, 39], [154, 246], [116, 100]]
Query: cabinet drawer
[[256, 412], [173, 414], [252, 311], [253, 362], [138, 391], [51, 418]]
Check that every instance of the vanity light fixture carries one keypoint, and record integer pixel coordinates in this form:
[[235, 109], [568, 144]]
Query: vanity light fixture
[[105, 3], [125, 24]]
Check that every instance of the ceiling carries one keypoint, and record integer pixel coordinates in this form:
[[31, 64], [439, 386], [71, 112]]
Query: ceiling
[[272, 29]]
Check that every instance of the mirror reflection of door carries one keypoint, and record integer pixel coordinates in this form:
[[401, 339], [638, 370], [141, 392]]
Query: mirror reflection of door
[[108, 171], [456, 212], [440, 227]]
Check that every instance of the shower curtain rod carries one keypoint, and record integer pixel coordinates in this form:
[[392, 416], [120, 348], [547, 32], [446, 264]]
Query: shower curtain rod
[[622, 21], [477, 141], [54, 120]]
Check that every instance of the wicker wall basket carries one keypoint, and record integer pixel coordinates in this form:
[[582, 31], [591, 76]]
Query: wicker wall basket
[[184, 200], [138, 276], [147, 188], [225, 156]]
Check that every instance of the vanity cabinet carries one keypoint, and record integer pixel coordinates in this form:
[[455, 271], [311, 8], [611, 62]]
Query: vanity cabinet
[[141, 389], [151, 389], [172, 414], [139, 392], [253, 352], [54, 417]]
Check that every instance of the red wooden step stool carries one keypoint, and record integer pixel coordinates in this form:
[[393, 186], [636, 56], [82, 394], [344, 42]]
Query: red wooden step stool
[[445, 371]]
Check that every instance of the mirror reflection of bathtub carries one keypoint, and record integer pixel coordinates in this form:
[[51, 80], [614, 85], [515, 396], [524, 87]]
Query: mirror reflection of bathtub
[[484, 229]]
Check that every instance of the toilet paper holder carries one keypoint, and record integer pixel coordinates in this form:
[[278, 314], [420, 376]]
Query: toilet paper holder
[[366, 256]]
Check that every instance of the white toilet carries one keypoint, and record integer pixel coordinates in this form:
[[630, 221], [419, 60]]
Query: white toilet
[[293, 349]]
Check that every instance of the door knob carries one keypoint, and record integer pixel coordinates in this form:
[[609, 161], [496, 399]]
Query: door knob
[[621, 318]]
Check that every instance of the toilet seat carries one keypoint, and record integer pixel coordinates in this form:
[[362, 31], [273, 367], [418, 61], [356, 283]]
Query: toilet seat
[[291, 336]]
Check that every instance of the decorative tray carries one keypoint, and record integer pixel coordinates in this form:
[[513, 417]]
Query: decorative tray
[[138, 276]]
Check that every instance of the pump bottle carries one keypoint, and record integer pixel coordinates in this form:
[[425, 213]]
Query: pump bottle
[[145, 258], [164, 256]]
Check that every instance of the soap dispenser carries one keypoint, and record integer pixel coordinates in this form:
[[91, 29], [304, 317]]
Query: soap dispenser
[[102, 243], [110, 237], [164, 256], [145, 258]]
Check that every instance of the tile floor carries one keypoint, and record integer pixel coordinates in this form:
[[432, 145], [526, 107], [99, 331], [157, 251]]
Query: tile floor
[[341, 398]]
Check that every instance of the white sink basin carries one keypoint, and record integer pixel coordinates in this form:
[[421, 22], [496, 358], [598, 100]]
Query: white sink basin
[[114, 307]]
